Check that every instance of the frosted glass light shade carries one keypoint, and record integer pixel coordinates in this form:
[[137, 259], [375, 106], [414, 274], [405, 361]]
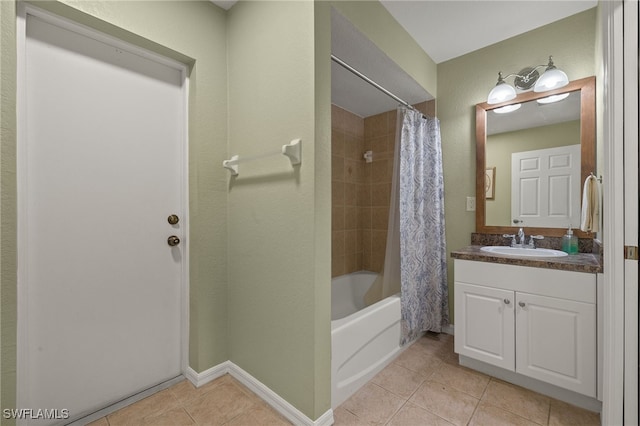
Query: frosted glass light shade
[[551, 79], [507, 109], [502, 92], [553, 98]]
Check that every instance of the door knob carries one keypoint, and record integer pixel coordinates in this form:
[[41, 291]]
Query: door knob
[[173, 219], [173, 241], [507, 301], [522, 304]]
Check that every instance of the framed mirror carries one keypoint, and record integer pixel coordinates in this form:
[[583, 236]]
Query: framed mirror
[[531, 162]]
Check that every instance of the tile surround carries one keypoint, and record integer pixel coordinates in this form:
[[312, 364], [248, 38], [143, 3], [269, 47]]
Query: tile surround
[[361, 191]]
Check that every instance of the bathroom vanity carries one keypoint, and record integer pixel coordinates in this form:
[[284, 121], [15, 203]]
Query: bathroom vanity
[[532, 322]]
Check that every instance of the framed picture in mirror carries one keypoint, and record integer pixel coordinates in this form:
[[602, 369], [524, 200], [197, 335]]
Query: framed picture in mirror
[[489, 183]]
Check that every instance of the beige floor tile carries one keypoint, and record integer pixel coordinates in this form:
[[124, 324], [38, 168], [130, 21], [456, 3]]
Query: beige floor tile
[[451, 359], [416, 358], [174, 417], [342, 417], [100, 422], [373, 404], [520, 401], [261, 414], [185, 391], [450, 404], [489, 415], [436, 343], [399, 380], [219, 405], [565, 414], [413, 415], [134, 413], [462, 379], [255, 398]]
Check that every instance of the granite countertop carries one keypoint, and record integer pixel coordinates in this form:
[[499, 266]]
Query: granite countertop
[[581, 262]]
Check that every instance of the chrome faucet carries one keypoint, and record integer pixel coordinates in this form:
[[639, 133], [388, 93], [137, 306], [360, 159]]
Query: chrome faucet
[[513, 239], [532, 238], [521, 237]]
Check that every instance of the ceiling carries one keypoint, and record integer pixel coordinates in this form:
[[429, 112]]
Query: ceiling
[[532, 114], [445, 29]]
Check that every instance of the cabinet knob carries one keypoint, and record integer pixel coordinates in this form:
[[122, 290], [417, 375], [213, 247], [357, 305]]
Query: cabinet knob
[[522, 304], [507, 301]]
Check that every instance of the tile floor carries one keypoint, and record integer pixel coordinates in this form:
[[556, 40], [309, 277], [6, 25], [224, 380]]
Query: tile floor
[[423, 386], [224, 401]]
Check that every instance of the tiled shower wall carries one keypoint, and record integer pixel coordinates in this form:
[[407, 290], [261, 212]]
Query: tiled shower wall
[[347, 191], [361, 191]]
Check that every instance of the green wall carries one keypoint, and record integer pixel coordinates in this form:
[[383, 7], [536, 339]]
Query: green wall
[[194, 33], [466, 81], [498, 154], [8, 256], [278, 227]]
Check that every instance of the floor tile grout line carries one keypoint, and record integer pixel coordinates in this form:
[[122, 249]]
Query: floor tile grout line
[[396, 412], [475, 409], [514, 413], [182, 404], [548, 398]]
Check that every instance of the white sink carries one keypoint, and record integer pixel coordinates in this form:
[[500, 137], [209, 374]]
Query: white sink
[[523, 252]]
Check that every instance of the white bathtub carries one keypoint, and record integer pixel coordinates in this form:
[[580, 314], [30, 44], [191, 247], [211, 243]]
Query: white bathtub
[[363, 339]]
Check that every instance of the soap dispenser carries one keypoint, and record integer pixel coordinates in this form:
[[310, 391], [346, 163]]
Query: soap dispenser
[[570, 242]]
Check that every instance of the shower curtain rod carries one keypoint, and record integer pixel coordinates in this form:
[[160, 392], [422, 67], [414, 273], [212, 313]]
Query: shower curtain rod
[[357, 73]]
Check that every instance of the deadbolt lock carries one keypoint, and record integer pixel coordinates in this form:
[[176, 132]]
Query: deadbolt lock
[[173, 219], [173, 241]]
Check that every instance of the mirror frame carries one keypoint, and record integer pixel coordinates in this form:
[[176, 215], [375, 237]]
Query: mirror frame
[[586, 86]]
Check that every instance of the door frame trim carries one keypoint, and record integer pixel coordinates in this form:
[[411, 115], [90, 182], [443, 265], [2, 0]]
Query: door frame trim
[[611, 26], [23, 10], [630, 42]]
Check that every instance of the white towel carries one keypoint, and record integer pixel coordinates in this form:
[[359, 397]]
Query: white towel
[[590, 219]]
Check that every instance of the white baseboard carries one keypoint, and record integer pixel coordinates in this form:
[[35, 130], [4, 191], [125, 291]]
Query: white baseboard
[[278, 403], [199, 379]]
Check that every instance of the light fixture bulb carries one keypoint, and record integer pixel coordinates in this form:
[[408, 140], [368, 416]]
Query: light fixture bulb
[[502, 92], [552, 78], [507, 108]]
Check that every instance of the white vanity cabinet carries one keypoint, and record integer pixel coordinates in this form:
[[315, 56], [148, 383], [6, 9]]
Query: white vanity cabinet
[[537, 322]]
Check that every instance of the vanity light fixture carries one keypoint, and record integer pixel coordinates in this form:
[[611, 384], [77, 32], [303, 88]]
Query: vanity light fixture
[[551, 78]]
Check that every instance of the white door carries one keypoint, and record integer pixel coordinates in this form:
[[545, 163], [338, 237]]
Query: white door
[[485, 324], [546, 188], [100, 170], [556, 341]]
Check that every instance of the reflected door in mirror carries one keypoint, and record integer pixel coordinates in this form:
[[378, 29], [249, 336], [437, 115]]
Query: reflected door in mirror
[[545, 187]]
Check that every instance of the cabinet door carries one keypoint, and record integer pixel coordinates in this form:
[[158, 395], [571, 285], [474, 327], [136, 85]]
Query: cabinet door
[[484, 319], [556, 341]]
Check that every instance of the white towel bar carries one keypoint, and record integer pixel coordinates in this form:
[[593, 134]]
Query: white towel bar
[[292, 150]]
